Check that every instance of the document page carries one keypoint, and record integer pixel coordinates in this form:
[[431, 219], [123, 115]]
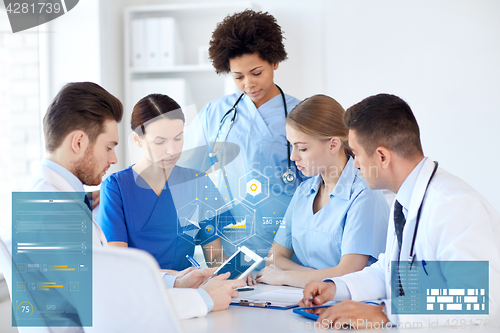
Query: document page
[[279, 297]]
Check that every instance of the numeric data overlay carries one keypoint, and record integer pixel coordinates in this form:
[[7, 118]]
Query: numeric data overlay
[[440, 287], [51, 259]]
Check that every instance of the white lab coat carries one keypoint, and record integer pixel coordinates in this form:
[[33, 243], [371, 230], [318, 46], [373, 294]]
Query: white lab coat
[[456, 224], [48, 180], [188, 303]]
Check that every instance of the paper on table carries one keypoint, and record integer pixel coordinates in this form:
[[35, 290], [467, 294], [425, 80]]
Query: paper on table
[[279, 297]]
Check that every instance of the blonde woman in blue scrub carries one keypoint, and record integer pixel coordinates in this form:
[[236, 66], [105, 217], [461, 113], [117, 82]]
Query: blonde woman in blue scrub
[[334, 224]]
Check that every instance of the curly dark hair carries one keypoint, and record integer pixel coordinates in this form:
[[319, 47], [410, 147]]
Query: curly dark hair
[[246, 32]]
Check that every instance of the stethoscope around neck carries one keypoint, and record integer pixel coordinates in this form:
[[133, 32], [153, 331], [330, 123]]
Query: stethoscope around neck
[[289, 175], [412, 257]]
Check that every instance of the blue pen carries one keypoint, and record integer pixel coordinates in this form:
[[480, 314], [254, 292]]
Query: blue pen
[[192, 261]]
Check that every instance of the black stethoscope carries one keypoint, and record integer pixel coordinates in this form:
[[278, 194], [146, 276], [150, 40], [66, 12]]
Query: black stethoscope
[[412, 257], [288, 176]]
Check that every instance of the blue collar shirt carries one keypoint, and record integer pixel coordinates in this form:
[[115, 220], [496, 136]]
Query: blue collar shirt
[[354, 221]]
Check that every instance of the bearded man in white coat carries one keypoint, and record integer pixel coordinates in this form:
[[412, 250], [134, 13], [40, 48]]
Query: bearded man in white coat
[[81, 133], [456, 224]]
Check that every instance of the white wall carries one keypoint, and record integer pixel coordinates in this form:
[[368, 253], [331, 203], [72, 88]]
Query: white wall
[[70, 51], [440, 56], [74, 49], [81, 49], [112, 61]]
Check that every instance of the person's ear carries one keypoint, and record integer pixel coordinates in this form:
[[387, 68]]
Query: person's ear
[[137, 139], [275, 66], [79, 142], [334, 145], [384, 157]]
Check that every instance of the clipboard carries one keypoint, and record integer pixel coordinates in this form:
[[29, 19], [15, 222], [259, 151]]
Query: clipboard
[[280, 299], [265, 305]]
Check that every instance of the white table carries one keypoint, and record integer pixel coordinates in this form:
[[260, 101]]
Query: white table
[[242, 319]]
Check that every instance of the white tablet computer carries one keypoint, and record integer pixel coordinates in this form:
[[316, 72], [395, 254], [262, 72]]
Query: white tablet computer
[[240, 264]]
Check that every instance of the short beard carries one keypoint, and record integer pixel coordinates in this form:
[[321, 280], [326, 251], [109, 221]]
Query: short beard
[[85, 169]]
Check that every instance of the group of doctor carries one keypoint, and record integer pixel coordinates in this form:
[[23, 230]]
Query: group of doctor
[[334, 223], [328, 164]]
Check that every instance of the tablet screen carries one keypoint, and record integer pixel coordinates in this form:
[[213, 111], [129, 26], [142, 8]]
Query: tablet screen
[[237, 265]]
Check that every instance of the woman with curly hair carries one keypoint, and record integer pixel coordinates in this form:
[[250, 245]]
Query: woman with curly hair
[[249, 46]]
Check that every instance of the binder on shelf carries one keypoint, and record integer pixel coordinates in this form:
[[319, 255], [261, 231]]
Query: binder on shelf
[[203, 56], [152, 38], [167, 42], [137, 43], [155, 42], [171, 51]]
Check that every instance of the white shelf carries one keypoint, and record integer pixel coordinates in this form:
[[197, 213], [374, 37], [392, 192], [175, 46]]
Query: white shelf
[[189, 82], [179, 7], [172, 69]]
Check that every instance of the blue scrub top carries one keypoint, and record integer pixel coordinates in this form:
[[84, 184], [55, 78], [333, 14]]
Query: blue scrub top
[[167, 226], [260, 135], [354, 221]]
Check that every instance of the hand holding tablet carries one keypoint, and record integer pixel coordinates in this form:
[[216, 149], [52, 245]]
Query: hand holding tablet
[[240, 264]]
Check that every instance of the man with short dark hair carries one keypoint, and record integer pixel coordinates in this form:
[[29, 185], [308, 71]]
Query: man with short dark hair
[[81, 133], [436, 218]]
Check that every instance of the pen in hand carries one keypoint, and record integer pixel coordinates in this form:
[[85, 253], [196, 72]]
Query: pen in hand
[[311, 299], [193, 261]]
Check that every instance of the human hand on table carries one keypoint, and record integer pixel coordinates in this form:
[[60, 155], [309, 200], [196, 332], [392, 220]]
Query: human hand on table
[[271, 275], [350, 314], [193, 277], [250, 280], [221, 290]]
